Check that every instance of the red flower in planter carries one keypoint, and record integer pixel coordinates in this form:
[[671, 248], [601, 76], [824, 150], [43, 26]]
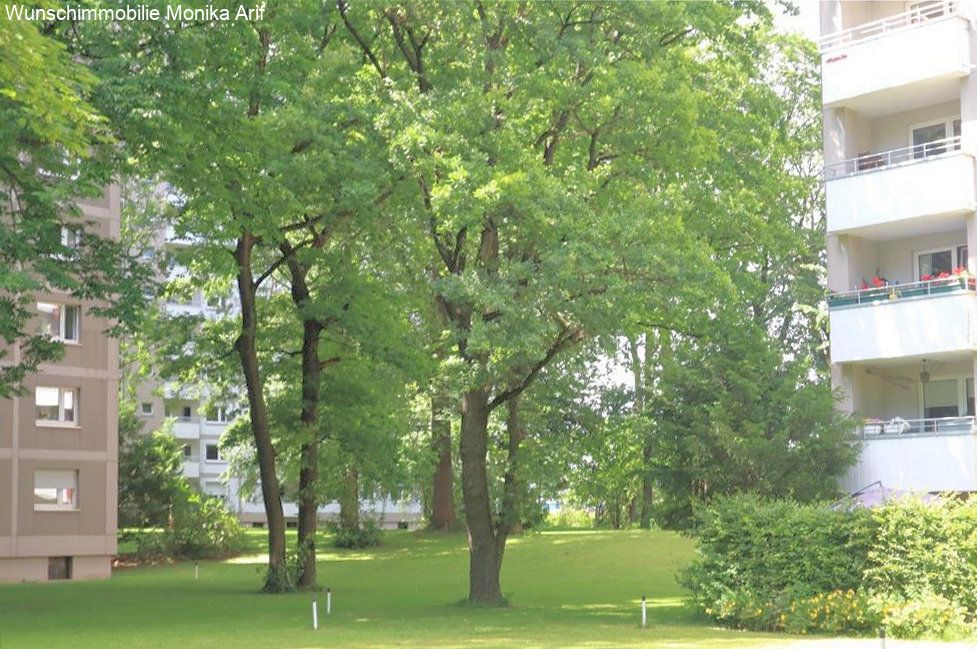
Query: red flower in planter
[[925, 277], [864, 285], [878, 282], [943, 275], [959, 270]]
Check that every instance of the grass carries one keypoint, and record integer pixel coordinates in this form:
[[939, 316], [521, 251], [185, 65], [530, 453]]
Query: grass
[[567, 589]]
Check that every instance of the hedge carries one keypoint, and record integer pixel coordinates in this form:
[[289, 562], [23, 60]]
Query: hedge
[[777, 565]]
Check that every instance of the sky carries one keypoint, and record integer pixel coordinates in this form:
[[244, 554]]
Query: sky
[[806, 22]]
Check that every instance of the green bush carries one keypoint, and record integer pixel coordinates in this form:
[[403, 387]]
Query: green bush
[[923, 548], [756, 557], [568, 518], [200, 528], [928, 616], [778, 565], [366, 535]]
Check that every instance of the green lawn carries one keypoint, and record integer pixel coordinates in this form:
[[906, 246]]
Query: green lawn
[[567, 589]]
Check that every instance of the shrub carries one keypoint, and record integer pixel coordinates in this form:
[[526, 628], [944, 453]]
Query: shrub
[[366, 535], [200, 528], [928, 616], [778, 565], [569, 518], [756, 554], [921, 549]]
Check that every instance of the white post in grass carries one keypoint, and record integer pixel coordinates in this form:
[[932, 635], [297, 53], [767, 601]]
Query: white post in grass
[[882, 635], [196, 571], [315, 613], [328, 601], [644, 612]]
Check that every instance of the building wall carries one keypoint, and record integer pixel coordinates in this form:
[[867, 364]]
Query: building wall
[[86, 534], [873, 100]]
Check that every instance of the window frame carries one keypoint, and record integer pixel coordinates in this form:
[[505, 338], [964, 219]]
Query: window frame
[[961, 381], [217, 450], [952, 248], [142, 408], [947, 121], [63, 310], [71, 237], [71, 506], [60, 422], [220, 415]]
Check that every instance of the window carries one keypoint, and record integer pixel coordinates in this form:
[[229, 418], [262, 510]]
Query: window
[[940, 399], [221, 415], [56, 405], [58, 568], [934, 262], [55, 491], [969, 394], [962, 256], [187, 412], [213, 453], [146, 409], [219, 301], [929, 138], [70, 237], [187, 451], [60, 321]]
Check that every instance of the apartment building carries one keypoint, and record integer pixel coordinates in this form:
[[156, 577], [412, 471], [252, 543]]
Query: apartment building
[[900, 135], [59, 440], [198, 421]]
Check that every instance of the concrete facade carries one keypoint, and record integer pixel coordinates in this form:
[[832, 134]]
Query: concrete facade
[[59, 474], [900, 138]]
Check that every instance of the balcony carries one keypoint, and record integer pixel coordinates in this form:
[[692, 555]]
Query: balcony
[[922, 319], [903, 59], [917, 455], [191, 468], [187, 427], [895, 187]]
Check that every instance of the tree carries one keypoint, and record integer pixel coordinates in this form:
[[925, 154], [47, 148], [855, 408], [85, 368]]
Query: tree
[[745, 403], [151, 478], [53, 150], [270, 163], [544, 142]]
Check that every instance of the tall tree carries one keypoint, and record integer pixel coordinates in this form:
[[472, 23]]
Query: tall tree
[[250, 124], [54, 150], [545, 142]]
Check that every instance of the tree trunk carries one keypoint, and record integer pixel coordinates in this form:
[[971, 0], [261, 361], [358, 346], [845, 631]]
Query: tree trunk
[[513, 496], [656, 344], [349, 503], [641, 369], [442, 492], [647, 489], [309, 416], [277, 577], [484, 548]]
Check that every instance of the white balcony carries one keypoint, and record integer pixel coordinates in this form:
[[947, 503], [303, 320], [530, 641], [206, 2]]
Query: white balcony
[[917, 455], [925, 319], [187, 427], [902, 192], [898, 61], [191, 469]]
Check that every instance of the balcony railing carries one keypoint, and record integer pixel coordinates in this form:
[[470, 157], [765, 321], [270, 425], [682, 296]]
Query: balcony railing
[[915, 17], [932, 426], [876, 161], [895, 291]]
